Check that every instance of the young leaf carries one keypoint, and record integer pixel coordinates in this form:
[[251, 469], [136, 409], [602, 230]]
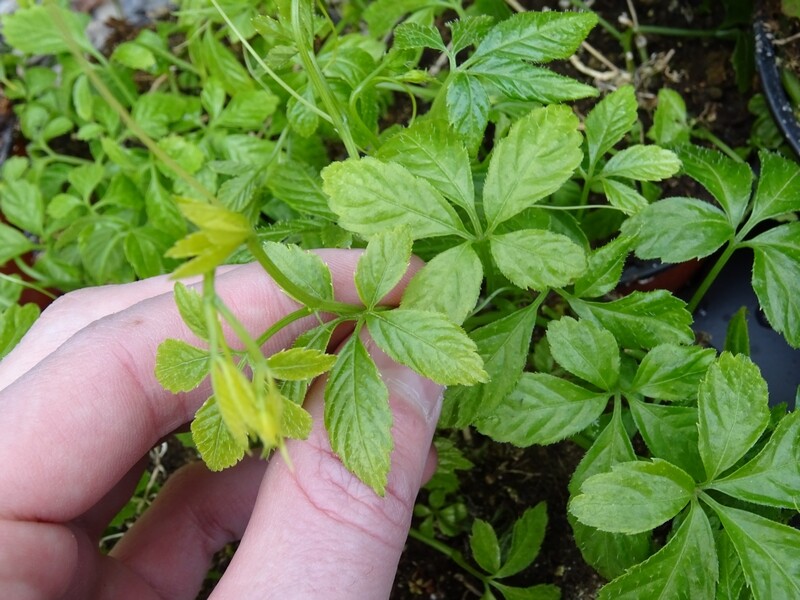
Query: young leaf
[[624, 197], [134, 56], [410, 35], [218, 448], [730, 182], [467, 107], [778, 189], [12, 243], [540, 153], [686, 567], [733, 411], [773, 476], [604, 268], [32, 30], [382, 265], [428, 343], [179, 366], [248, 110], [22, 205], [585, 350], [303, 269], [318, 339], [468, 31], [536, 36], [299, 363], [235, 399], [449, 284], [634, 497], [526, 540], [484, 545], [672, 372], [503, 346], [542, 409], [680, 229], [538, 259], [737, 337], [670, 121], [371, 196], [643, 163], [521, 81], [296, 422], [641, 319], [609, 121], [776, 278], [543, 591], [768, 551], [357, 415]]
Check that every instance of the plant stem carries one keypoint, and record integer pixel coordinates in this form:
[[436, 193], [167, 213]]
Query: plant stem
[[281, 323], [252, 347], [449, 552], [705, 134], [712, 275], [615, 33], [726, 34]]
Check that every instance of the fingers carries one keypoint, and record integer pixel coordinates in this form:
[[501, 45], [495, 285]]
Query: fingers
[[93, 407], [319, 532]]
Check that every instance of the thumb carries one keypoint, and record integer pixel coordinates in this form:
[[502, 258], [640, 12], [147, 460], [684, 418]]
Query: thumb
[[317, 531]]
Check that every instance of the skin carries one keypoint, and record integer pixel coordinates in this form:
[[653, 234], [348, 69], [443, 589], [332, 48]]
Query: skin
[[80, 408]]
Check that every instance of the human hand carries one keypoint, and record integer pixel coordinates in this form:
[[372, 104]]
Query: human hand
[[80, 408]]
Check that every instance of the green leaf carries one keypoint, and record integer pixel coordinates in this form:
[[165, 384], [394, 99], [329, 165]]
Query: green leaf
[[300, 186], [737, 337], [730, 182], [299, 363], [680, 229], [778, 189], [449, 284], [521, 81], [318, 339], [180, 367], [213, 97], [381, 15], [776, 278], [585, 350], [773, 476], [382, 265], [303, 120], [503, 346], [643, 163], [32, 30], [686, 567], [624, 197], [248, 109], [428, 149], [216, 445], [428, 343], [82, 97], [410, 35], [634, 497], [609, 121], [296, 422], [467, 107], [641, 319], [303, 269], [484, 545], [223, 65], [190, 307], [731, 576], [156, 111], [144, 249], [86, 178], [15, 321], [542, 409], [672, 372], [540, 153], [133, 56], [537, 36], [604, 268], [101, 247], [733, 411], [670, 124], [22, 205], [670, 432], [370, 196], [768, 552], [357, 415], [542, 591], [526, 540], [468, 31], [538, 259]]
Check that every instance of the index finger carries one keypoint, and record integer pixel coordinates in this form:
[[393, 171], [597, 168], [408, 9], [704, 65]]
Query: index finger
[[74, 424]]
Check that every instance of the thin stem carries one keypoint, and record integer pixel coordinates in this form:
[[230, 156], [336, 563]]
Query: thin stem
[[600, 20], [712, 275], [705, 134], [252, 347], [578, 208], [113, 74], [281, 323], [449, 552], [168, 56], [726, 34], [27, 284]]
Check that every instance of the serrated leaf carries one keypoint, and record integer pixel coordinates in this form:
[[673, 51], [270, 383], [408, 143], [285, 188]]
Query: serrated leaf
[[643, 163], [221, 63], [767, 550], [609, 121], [371, 196], [302, 119], [304, 269], [604, 268], [733, 411], [672, 372], [468, 31], [382, 265], [737, 337], [300, 186], [730, 182], [216, 445], [428, 343], [624, 197], [686, 567], [542, 409], [484, 545], [503, 346], [670, 123], [585, 350], [190, 307], [538, 259], [429, 150], [248, 109], [731, 576], [773, 476], [296, 422], [32, 30], [410, 35], [22, 205], [543, 591], [680, 229], [467, 107], [235, 399], [522, 81], [641, 319], [537, 36], [449, 284], [778, 188], [15, 321], [526, 540], [634, 497], [317, 338], [180, 367], [357, 415], [299, 363], [540, 153], [776, 278]]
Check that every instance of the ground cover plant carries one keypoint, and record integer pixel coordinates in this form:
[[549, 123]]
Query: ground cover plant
[[256, 131]]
